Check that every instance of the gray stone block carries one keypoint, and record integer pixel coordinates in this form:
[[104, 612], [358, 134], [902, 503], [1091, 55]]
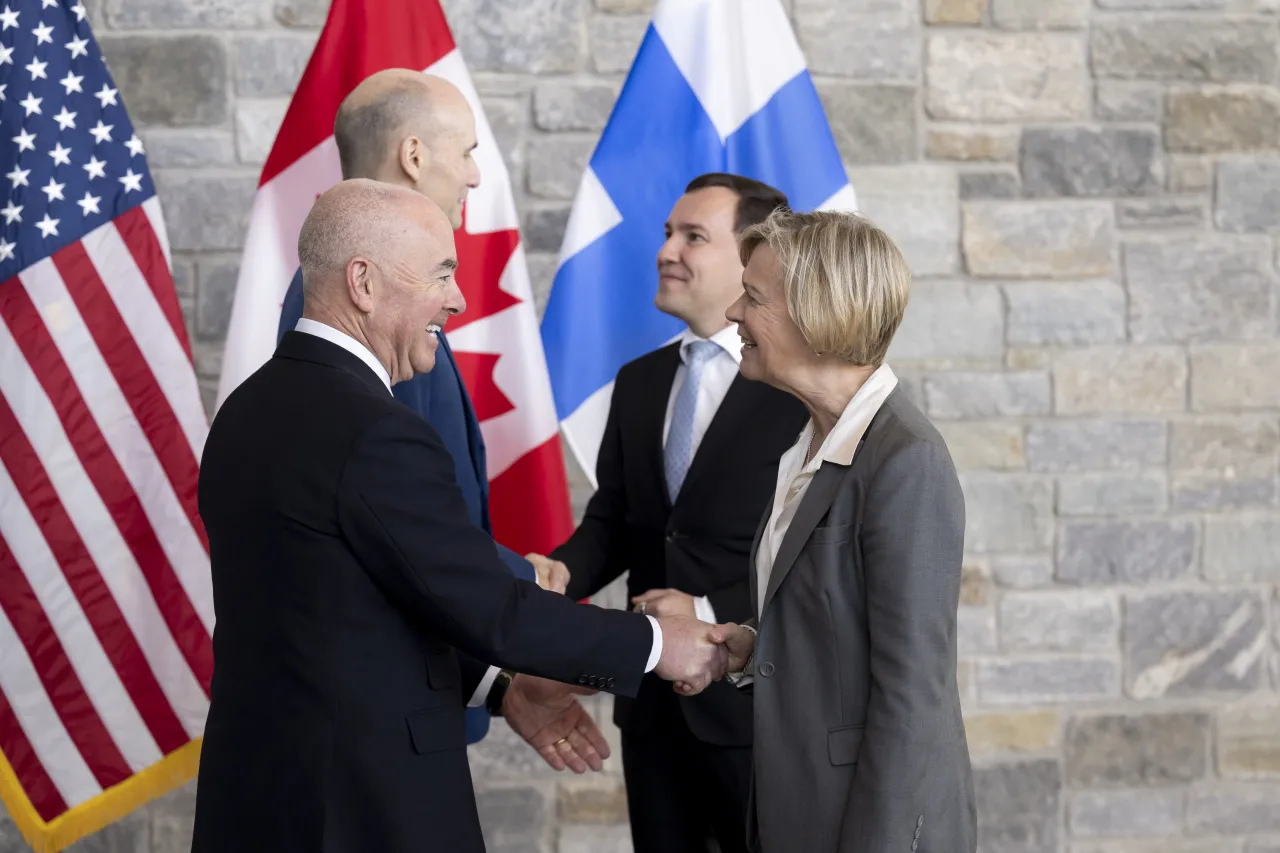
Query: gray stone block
[[1235, 809], [983, 445], [1191, 643], [1007, 513], [1161, 5], [1222, 118], [1093, 814], [997, 77], [615, 41], [1091, 445], [1132, 493], [975, 630], [205, 211], [187, 148], [570, 105], [1045, 680], [257, 123], [1040, 14], [215, 291], [542, 271], [1224, 442], [1185, 48], [871, 123], [1131, 552], [184, 278], [1140, 749], [1022, 571], [1035, 239], [208, 358], [1190, 173], [1223, 289], [1209, 491], [986, 395], [1162, 845], [626, 7], [875, 41], [1120, 379], [556, 165], [1066, 313], [270, 66], [916, 205], [129, 834], [1242, 549], [530, 36], [1232, 377], [595, 839], [544, 228], [1122, 101], [950, 321], [1263, 845], [174, 14], [191, 91], [508, 117], [994, 183], [1017, 806], [1160, 213], [512, 815], [310, 13], [1248, 196], [1076, 161], [1057, 621], [173, 815]]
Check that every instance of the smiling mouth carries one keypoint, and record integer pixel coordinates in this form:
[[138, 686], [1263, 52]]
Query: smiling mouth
[[747, 343]]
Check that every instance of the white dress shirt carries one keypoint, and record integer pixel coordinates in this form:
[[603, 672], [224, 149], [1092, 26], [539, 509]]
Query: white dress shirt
[[351, 345], [717, 375], [794, 476]]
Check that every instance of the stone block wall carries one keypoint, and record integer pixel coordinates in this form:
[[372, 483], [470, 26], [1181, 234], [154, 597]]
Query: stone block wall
[[1089, 194]]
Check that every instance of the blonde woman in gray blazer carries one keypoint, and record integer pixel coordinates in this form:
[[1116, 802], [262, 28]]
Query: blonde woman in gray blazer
[[859, 742]]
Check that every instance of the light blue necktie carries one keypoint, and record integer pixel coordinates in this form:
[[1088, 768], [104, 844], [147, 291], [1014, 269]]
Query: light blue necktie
[[679, 450]]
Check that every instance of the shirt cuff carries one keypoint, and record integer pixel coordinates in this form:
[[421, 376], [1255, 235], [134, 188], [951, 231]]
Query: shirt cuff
[[703, 610], [483, 688], [655, 654]]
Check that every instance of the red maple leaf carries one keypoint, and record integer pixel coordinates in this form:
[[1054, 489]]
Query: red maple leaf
[[481, 261]]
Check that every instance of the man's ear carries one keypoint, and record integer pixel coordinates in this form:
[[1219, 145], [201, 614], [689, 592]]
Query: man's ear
[[360, 283], [414, 157]]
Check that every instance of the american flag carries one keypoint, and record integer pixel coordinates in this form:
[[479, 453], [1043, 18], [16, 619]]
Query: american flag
[[106, 607]]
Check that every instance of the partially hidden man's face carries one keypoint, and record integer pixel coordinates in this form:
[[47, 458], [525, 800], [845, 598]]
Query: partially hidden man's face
[[699, 272], [451, 171]]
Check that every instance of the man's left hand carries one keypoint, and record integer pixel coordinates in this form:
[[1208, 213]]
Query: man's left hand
[[665, 602], [549, 718]]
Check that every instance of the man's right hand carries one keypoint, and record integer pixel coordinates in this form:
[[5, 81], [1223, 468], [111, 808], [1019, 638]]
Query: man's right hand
[[692, 653], [551, 574]]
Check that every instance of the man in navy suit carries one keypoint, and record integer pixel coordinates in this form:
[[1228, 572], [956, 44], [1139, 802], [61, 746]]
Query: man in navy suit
[[416, 130]]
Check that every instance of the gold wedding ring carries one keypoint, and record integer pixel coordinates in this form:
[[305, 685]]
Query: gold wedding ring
[[564, 739], [643, 605]]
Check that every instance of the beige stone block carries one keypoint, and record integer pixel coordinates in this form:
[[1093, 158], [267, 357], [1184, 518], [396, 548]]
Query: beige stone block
[[592, 799], [949, 142], [984, 445], [1027, 732], [954, 11], [1230, 376], [1038, 239], [1249, 740], [1120, 379]]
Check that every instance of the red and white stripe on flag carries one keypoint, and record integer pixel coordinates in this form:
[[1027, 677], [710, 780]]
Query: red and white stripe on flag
[[496, 342], [106, 607]]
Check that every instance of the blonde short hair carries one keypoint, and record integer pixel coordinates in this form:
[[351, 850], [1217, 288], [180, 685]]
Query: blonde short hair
[[846, 282]]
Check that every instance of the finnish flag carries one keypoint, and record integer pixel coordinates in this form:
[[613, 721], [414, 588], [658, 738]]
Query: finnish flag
[[717, 86]]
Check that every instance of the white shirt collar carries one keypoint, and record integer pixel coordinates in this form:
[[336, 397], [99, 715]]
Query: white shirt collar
[[842, 442], [348, 343], [727, 339]]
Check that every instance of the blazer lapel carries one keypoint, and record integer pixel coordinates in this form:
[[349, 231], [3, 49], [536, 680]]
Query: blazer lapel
[[817, 500], [751, 565]]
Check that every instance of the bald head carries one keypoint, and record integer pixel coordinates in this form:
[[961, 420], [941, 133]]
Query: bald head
[[377, 263], [412, 129]]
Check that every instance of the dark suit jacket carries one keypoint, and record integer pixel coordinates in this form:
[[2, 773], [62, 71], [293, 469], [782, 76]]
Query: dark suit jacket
[[698, 545], [355, 603], [441, 398], [860, 745]]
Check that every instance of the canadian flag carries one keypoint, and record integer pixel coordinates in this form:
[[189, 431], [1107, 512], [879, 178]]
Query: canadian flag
[[496, 342]]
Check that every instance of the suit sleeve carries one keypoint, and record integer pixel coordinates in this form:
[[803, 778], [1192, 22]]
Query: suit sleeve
[[291, 310], [596, 552], [732, 603], [519, 566], [912, 544], [405, 520]]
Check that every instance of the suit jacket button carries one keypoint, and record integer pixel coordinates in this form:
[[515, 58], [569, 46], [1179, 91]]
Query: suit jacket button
[[608, 683], [766, 669], [920, 821], [582, 679]]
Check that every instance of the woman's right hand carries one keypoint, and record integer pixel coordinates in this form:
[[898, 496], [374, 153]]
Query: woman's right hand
[[740, 642]]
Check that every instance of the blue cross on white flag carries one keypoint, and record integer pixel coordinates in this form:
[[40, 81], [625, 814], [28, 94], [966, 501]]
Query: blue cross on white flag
[[717, 86]]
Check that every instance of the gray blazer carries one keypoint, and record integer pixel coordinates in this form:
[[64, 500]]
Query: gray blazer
[[859, 741]]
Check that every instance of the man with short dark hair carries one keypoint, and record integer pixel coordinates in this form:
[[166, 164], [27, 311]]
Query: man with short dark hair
[[686, 468]]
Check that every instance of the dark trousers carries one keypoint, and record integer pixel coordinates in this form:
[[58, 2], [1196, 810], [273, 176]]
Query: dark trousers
[[681, 792]]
